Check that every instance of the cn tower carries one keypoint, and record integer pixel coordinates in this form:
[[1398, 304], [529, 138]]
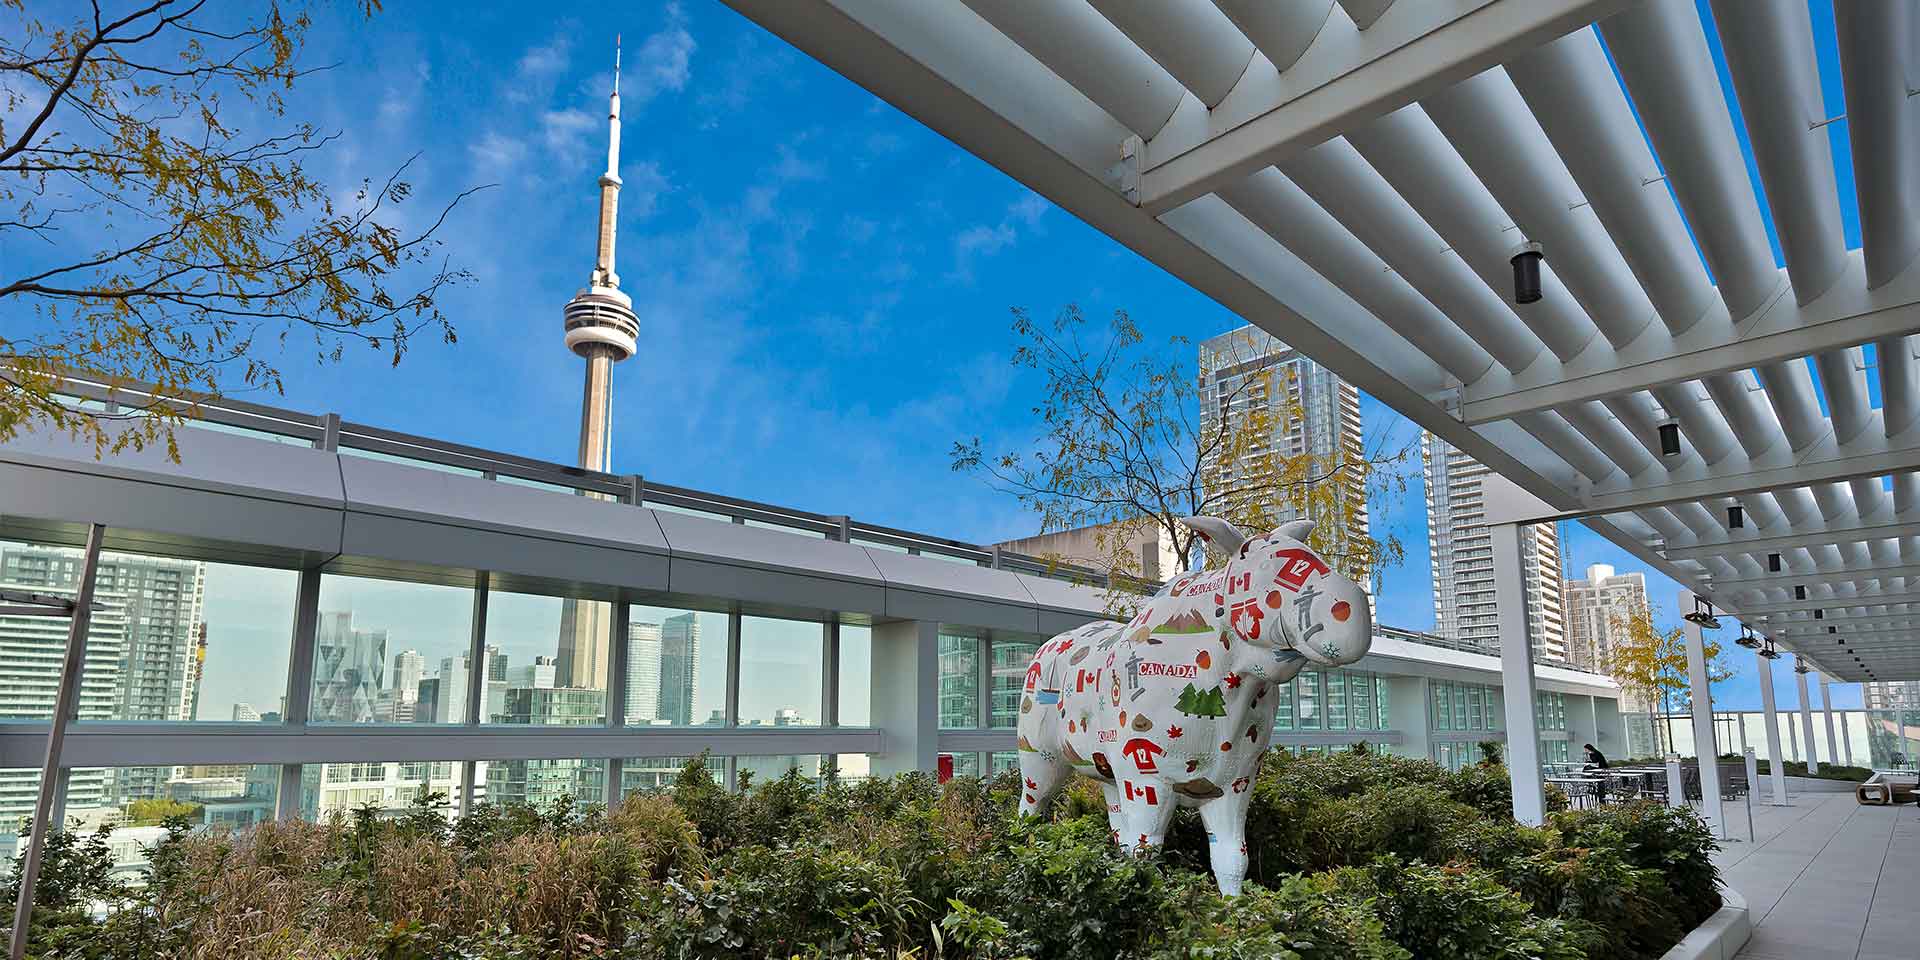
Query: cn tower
[[601, 328], [600, 323]]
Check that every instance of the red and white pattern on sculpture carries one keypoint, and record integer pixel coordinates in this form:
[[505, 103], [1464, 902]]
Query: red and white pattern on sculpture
[[1170, 709]]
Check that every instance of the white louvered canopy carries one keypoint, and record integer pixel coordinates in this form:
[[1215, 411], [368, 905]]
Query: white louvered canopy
[[1355, 176]]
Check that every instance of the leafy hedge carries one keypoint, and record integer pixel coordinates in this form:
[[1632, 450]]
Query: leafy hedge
[[1353, 857]]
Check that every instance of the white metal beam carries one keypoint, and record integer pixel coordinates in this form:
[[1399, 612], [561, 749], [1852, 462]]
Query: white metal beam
[[1759, 544], [1889, 599], [1847, 314], [1788, 579], [1871, 453], [1346, 78]]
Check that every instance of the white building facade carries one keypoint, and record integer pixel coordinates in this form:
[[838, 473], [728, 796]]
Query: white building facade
[[1462, 559]]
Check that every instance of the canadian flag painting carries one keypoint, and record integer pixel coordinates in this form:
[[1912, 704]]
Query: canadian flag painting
[[1143, 793]]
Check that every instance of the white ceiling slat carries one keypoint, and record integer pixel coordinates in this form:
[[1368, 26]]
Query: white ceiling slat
[[1553, 431], [1573, 94], [1093, 55], [1342, 183], [1192, 39], [1899, 380], [1754, 423], [1365, 12], [1789, 387], [1661, 52], [1406, 149], [1282, 31], [1803, 536], [1769, 48], [1876, 69], [1845, 384], [1606, 434], [1277, 206], [1701, 427], [1641, 420], [1490, 127], [1787, 578]]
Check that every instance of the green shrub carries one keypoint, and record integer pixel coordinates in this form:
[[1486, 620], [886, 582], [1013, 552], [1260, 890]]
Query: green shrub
[[1671, 841], [793, 901], [1301, 920], [1065, 890], [1828, 771], [1458, 913]]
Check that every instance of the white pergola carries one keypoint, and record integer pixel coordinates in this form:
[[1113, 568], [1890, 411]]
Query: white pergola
[[1355, 177]]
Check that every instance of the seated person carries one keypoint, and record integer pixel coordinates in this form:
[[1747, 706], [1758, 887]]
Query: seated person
[[1595, 759]]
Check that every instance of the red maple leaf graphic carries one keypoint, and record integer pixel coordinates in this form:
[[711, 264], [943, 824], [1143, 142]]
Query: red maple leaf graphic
[[1233, 681], [1173, 733]]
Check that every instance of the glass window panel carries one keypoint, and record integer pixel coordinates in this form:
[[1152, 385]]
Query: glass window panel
[[783, 528], [856, 676], [1001, 762], [1307, 699], [137, 801], [676, 667], [648, 774], [1360, 700], [1476, 708], [1011, 654], [542, 783], [172, 640], [958, 765], [1381, 704], [851, 766], [548, 660], [1283, 709], [1442, 706], [759, 770], [688, 511], [780, 663], [1460, 706], [391, 787], [20, 791], [378, 638], [1336, 700], [410, 461], [959, 681]]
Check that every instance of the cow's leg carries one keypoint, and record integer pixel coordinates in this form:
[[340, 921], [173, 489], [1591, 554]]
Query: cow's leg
[[1039, 778], [1115, 819], [1226, 821], [1146, 810]]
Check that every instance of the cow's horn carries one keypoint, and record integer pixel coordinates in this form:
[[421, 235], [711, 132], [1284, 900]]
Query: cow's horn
[[1223, 539], [1295, 529]]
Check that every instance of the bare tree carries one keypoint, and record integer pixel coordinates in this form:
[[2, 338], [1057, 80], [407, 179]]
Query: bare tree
[[1129, 443], [152, 232]]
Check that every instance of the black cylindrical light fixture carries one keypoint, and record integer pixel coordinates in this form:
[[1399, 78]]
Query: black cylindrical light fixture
[[1670, 439], [1833, 629], [1773, 563], [1819, 614], [1799, 591], [1736, 517], [1526, 272]]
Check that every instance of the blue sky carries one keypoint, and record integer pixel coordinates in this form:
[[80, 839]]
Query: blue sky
[[823, 284]]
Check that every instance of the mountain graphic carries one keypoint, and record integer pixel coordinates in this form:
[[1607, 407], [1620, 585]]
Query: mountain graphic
[[1189, 622]]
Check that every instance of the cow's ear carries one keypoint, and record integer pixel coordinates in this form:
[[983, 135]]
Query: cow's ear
[[1295, 530], [1223, 539]]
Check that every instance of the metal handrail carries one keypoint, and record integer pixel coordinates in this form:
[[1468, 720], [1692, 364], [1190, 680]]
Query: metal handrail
[[355, 436]]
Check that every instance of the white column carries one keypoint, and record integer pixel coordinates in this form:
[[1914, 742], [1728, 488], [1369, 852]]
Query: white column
[[1705, 748], [906, 696], [1776, 760], [1516, 675], [1806, 720], [1846, 739], [1826, 708]]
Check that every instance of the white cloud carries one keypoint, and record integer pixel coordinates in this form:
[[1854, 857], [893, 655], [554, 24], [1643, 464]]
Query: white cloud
[[565, 131], [985, 240], [644, 185], [547, 59], [792, 165], [496, 155], [664, 61]]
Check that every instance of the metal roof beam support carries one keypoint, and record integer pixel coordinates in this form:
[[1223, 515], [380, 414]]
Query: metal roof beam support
[[1746, 611], [1413, 50], [1848, 314], [1787, 579], [1850, 530], [1871, 454]]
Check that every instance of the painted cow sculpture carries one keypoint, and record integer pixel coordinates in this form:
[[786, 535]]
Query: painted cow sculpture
[[1175, 707]]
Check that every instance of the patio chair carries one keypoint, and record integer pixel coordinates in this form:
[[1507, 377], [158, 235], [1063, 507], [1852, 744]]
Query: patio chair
[[1657, 786]]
